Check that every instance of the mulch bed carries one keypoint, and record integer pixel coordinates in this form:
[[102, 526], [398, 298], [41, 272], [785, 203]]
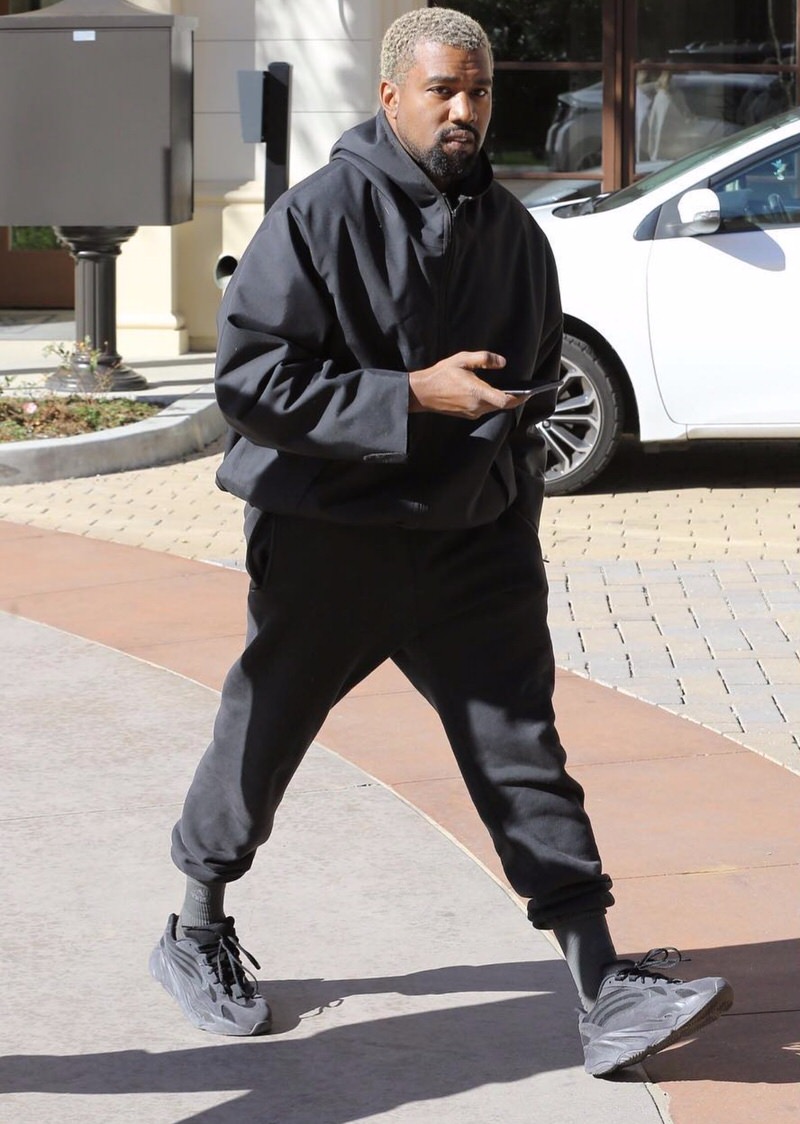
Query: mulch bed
[[22, 419]]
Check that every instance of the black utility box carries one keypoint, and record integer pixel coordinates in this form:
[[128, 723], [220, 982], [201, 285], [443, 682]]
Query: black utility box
[[96, 116]]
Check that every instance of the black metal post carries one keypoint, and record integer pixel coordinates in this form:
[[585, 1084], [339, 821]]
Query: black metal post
[[96, 364], [264, 109], [275, 129]]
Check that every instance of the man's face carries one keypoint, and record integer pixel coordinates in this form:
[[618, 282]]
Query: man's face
[[441, 110]]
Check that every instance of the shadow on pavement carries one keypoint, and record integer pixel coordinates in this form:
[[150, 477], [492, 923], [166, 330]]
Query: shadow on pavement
[[187, 360], [348, 1071], [759, 1040], [365, 1068], [294, 1001], [706, 464], [177, 390]]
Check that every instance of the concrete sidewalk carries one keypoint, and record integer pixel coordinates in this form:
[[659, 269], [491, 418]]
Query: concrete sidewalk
[[684, 593], [407, 982]]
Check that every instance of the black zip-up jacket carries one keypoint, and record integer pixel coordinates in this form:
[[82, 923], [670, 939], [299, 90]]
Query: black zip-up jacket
[[358, 275]]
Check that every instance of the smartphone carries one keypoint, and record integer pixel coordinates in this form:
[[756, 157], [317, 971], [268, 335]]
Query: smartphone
[[529, 391]]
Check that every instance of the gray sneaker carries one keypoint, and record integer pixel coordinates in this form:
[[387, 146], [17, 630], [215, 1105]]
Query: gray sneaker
[[203, 970], [639, 1012]]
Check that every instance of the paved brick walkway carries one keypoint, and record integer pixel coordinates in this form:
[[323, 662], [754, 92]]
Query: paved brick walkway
[[677, 580], [685, 593]]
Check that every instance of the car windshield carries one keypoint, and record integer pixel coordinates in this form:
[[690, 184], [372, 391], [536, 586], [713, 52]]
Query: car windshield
[[686, 163]]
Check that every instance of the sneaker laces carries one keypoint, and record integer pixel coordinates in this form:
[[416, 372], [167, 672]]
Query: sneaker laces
[[223, 957], [667, 957]]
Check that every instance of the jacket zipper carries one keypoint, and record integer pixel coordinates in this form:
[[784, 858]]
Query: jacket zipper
[[449, 241]]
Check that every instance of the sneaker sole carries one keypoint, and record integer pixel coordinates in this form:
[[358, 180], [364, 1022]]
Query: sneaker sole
[[720, 1003], [161, 971]]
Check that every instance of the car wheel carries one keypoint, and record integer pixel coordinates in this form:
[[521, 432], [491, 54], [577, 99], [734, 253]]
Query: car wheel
[[584, 431]]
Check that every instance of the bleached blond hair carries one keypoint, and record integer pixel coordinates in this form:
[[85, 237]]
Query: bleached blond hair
[[428, 25]]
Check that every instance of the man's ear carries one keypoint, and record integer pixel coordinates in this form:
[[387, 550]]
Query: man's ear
[[389, 95]]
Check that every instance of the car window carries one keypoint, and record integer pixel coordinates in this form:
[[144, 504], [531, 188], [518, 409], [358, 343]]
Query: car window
[[762, 194]]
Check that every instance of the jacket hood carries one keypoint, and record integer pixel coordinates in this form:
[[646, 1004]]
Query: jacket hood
[[373, 148]]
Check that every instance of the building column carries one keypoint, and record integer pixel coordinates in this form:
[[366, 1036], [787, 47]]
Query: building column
[[150, 319], [167, 295]]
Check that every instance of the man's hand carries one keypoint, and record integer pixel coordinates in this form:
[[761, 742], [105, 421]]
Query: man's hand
[[452, 387]]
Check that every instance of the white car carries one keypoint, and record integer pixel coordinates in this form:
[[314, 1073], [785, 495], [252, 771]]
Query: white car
[[679, 293]]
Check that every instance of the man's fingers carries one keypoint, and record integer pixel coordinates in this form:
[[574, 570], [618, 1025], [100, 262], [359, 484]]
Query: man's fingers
[[480, 360], [454, 386], [501, 400]]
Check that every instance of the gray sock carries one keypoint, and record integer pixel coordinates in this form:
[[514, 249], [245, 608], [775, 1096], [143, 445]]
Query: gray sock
[[203, 904], [588, 951]]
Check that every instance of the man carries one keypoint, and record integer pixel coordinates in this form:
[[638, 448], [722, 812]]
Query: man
[[378, 343]]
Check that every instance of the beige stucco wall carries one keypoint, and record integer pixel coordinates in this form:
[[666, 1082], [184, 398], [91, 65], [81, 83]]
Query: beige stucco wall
[[166, 295]]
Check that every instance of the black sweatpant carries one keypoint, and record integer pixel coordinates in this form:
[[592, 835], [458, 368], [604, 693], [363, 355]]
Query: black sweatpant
[[464, 614]]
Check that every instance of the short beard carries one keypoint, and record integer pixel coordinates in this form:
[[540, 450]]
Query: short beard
[[445, 168]]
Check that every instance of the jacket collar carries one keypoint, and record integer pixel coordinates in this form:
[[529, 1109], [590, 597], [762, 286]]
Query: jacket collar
[[374, 148]]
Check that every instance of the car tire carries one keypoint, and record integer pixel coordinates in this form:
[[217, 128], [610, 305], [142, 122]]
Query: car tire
[[584, 431]]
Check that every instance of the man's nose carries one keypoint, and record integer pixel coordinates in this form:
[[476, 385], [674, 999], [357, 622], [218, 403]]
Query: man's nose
[[462, 108]]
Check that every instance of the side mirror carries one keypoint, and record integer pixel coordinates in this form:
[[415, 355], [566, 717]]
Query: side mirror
[[699, 212]]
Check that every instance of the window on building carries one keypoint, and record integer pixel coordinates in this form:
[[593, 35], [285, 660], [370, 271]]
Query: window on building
[[612, 89], [548, 95], [33, 238], [704, 69], [18, 7]]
